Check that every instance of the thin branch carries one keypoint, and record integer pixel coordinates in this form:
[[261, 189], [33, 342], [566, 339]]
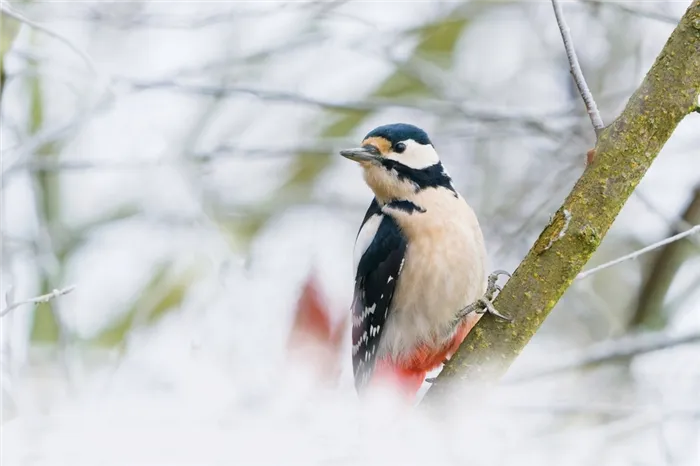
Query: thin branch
[[645, 13], [663, 269], [608, 409], [446, 86], [576, 72], [220, 91], [222, 152], [437, 106], [42, 138], [171, 21], [37, 300], [218, 154], [190, 22], [674, 238], [49, 32], [635, 11], [608, 351], [674, 223]]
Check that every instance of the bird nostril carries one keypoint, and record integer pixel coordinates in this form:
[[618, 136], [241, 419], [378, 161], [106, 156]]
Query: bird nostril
[[372, 149]]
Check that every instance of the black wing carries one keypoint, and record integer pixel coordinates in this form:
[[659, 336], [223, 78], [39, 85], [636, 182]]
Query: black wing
[[375, 282]]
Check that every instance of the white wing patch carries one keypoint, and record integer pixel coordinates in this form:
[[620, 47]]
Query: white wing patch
[[365, 237]]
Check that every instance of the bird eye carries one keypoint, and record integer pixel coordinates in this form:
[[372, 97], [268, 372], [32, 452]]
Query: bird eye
[[399, 147]]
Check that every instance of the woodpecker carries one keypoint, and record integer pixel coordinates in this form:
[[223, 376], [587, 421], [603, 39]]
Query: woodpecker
[[420, 262]]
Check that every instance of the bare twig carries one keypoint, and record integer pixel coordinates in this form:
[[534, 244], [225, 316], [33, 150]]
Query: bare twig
[[219, 91], [45, 298], [40, 139], [438, 106], [611, 351], [635, 11], [576, 72], [190, 22], [609, 409], [447, 87], [5, 8], [650, 303], [679, 236], [675, 224]]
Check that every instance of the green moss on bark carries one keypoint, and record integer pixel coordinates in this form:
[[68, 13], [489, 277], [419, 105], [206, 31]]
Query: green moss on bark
[[623, 154]]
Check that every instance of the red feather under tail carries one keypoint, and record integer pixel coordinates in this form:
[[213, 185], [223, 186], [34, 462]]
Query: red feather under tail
[[409, 375], [407, 381]]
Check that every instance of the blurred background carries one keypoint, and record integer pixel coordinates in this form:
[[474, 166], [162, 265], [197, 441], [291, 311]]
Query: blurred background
[[177, 163]]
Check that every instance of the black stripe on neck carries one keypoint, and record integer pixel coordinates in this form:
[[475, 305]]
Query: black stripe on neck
[[433, 176], [405, 205]]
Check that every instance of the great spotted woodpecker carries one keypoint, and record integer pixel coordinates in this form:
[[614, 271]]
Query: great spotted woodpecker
[[419, 259]]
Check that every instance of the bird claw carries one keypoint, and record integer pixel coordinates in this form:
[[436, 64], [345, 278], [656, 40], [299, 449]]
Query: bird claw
[[488, 307], [485, 303]]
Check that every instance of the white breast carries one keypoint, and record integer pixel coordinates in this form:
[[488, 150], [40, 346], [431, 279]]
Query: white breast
[[444, 270], [365, 237]]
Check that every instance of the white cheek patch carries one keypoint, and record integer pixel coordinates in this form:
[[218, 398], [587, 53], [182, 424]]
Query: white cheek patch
[[416, 155], [365, 238]]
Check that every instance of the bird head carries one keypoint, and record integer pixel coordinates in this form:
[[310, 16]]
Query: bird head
[[398, 161]]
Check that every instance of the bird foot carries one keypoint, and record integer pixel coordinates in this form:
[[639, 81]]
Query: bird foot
[[485, 303]]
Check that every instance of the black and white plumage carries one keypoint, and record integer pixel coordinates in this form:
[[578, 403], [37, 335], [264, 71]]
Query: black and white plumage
[[419, 254], [380, 247]]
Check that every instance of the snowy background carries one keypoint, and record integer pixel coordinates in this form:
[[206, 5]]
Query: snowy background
[[180, 169]]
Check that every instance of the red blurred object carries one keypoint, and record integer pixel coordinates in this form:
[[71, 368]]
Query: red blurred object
[[314, 339]]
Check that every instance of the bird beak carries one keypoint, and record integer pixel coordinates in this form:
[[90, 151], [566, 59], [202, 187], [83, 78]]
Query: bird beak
[[366, 153]]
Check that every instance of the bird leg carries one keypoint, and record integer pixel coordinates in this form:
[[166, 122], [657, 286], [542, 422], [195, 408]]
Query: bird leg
[[482, 305], [485, 303]]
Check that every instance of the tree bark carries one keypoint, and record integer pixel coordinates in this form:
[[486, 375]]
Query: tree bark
[[623, 153]]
